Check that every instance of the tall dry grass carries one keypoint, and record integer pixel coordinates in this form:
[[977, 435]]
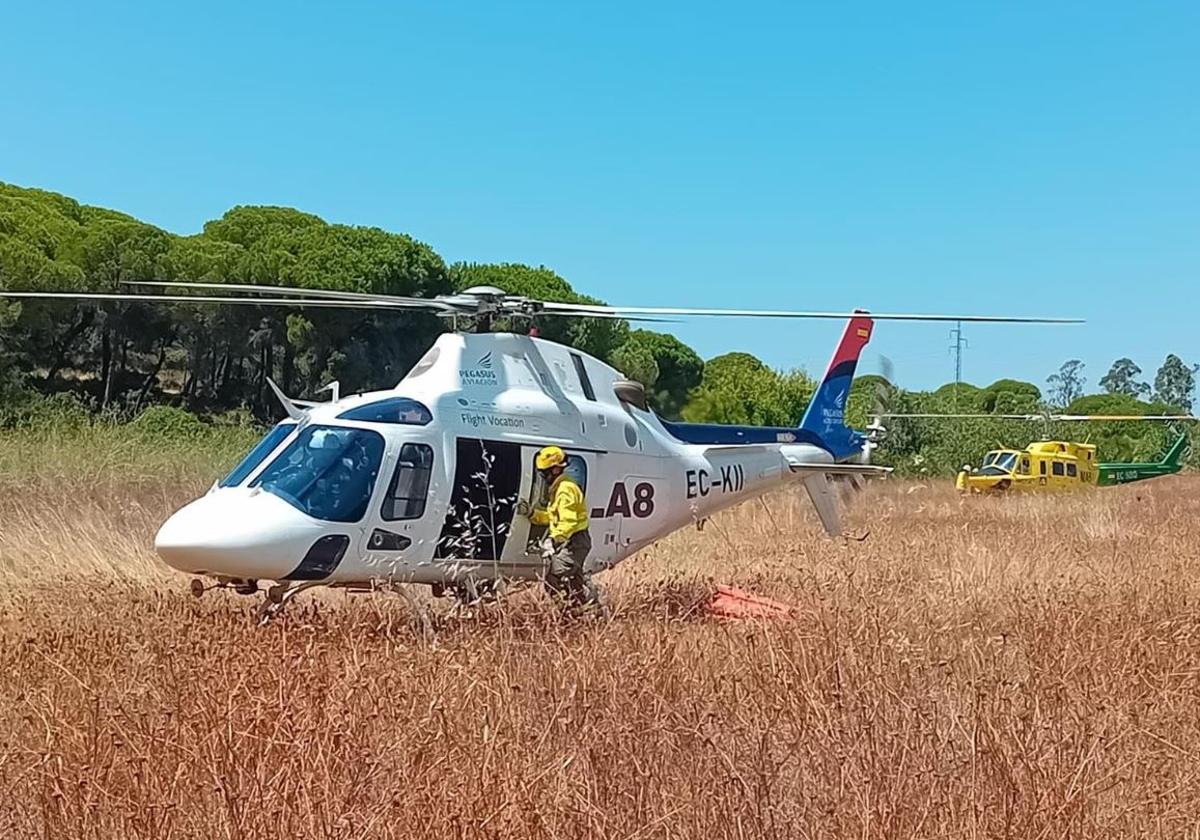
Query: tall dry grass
[[983, 668]]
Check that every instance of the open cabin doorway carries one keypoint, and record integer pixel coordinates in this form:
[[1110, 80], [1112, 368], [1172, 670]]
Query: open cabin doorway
[[483, 501]]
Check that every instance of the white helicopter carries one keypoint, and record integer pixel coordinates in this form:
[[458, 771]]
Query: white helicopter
[[421, 483]]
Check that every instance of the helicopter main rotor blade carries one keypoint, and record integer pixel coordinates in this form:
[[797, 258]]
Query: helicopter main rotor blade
[[293, 291], [601, 311], [1066, 418], [932, 416], [334, 300], [584, 309], [488, 301], [554, 313], [394, 300], [1074, 418], [244, 301]]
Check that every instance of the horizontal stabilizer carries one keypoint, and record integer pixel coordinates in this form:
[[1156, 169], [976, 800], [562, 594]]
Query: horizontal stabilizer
[[836, 469]]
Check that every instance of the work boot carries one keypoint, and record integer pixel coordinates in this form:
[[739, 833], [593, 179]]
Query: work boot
[[585, 599]]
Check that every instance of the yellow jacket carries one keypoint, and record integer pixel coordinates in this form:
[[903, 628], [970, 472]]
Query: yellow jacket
[[567, 513]]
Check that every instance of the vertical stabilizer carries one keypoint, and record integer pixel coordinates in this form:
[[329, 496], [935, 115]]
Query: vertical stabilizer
[[826, 414], [1175, 453]]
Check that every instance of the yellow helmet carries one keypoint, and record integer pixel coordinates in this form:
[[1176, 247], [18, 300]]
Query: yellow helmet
[[550, 456]]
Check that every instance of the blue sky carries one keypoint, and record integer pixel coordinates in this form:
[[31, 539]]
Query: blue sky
[[1016, 158]]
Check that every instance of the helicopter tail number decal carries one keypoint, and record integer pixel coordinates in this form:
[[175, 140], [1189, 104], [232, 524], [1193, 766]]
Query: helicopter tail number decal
[[637, 502], [700, 482]]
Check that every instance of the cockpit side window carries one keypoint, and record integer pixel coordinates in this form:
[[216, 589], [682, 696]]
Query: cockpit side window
[[327, 472], [410, 483], [256, 455]]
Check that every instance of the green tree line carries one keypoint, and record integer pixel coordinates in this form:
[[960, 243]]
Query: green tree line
[[115, 359]]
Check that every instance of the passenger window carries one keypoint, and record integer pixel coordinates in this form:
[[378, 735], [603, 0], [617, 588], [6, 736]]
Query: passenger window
[[1024, 466], [410, 483], [1071, 470], [584, 381], [1042, 467], [1058, 468]]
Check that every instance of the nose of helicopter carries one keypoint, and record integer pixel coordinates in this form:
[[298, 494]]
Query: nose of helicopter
[[237, 532]]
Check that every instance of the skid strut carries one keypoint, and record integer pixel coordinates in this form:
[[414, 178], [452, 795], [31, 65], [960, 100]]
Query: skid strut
[[242, 587], [278, 596]]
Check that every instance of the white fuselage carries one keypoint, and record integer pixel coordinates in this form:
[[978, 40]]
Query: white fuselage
[[429, 496]]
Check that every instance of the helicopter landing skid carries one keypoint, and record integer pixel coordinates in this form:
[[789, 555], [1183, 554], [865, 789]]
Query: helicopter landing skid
[[472, 592], [278, 596]]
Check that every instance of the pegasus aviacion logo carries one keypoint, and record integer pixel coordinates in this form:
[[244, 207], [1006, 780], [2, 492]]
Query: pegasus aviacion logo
[[835, 416], [481, 374]]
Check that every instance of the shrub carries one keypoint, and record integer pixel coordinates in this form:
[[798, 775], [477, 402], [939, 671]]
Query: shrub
[[55, 413], [167, 423]]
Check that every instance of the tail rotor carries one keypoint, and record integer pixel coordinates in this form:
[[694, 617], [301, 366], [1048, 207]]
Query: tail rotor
[[882, 398], [881, 405]]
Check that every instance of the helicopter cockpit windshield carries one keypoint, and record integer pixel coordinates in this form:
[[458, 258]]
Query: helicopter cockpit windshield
[[256, 455], [328, 472], [998, 463]]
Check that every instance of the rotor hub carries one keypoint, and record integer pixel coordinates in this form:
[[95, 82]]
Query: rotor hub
[[487, 301], [481, 304]]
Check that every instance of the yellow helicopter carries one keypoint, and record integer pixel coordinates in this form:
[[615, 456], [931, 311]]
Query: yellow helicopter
[[1049, 465]]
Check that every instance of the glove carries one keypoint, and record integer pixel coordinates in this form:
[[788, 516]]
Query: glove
[[523, 508], [548, 547]]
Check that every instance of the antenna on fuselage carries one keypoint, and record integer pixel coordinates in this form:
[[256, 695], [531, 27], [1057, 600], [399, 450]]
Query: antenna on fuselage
[[293, 410], [333, 387]]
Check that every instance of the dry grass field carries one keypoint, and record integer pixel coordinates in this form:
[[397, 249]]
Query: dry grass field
[[1025, 668]]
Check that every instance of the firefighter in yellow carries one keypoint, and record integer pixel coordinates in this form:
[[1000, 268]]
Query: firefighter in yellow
[[567, 540]]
